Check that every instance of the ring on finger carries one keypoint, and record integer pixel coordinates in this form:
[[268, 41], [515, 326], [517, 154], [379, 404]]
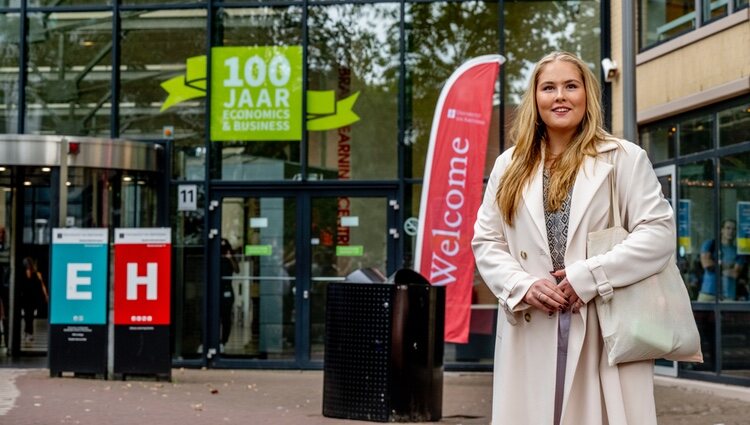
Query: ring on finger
[[540, 296]]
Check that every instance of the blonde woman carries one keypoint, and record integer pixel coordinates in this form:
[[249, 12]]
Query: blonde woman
[[543, 198]]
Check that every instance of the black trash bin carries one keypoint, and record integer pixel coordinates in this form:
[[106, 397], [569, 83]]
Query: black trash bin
[[384, 350]]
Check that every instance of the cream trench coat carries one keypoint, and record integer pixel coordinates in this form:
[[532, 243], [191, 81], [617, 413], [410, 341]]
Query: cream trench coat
[[510, 259]]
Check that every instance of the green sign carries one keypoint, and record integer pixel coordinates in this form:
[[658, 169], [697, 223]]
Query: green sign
[[256, 93], [258, 250], [350, 251]]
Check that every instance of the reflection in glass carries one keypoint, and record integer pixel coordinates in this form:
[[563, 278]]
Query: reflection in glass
[[48, 3], [9, 63], [257, 291], [111, 198], [440, 37], [271, 160], [714, 9], [696, 134], [69, 73], [665, 19], [176, 35], [36, 206], [706, 322], [734, 200], [536, 28], [347, 234], [659, 141], [735, 344], [350, 57], [146, 2], [734, 125], [695, 225]]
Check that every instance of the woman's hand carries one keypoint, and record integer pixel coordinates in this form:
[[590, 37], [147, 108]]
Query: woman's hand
[[546, 296], [567, 289]]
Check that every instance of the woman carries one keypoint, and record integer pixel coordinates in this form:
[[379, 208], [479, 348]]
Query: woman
[[33, 296], [543, 198]]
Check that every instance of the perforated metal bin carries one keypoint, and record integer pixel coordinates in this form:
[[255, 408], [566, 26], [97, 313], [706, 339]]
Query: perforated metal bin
[[384, 352]]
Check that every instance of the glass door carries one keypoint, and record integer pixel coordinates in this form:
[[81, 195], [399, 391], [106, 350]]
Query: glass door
[[257, 282], [274, 254], [349, 239]]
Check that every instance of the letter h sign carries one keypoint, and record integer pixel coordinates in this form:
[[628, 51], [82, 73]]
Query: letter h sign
[[142, 282]]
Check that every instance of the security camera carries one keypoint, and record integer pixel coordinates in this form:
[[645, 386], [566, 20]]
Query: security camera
[[609, 69]]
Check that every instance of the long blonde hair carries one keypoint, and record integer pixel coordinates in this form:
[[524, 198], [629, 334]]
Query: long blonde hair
[[529, 131]]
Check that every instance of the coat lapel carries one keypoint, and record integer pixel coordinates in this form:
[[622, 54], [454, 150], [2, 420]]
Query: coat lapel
[[591, 176]]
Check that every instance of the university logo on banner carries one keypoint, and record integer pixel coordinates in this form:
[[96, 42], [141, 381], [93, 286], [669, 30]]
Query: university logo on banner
[[452, 190]]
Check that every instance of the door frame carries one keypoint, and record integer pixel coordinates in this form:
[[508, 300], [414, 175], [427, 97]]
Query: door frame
[[668, 170], [303, 197]]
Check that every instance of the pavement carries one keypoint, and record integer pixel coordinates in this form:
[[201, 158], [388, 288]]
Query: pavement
[[215, 396]]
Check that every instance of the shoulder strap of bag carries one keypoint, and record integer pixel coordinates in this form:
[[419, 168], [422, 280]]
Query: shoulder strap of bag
[[614, 210]]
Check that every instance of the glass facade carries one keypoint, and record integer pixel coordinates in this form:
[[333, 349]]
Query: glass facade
[[712, 159], [299, 209]]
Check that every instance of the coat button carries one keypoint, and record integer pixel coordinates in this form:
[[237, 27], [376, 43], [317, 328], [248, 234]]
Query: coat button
[[527, 317], [523, 255]]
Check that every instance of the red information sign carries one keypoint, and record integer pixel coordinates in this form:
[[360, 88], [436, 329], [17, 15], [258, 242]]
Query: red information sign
[[142, 276]]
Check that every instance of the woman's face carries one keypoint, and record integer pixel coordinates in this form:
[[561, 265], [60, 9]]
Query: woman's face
[[561, 98]]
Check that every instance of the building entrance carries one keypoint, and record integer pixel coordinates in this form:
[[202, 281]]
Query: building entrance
[[274, 254], [52, 181]]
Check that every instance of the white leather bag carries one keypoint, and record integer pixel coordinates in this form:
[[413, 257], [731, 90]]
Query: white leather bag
[[650, 319]]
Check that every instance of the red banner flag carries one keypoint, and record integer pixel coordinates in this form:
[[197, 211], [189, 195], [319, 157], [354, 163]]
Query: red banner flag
[[452, 190]]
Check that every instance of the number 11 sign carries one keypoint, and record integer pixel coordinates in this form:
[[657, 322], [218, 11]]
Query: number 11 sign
[[187, 197]]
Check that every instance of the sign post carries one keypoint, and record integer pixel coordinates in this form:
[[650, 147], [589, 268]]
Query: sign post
[[78, 302], [142, 302]]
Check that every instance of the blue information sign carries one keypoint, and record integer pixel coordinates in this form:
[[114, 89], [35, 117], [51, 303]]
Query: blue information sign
[[78, 287], [743, 227], [683, 226]]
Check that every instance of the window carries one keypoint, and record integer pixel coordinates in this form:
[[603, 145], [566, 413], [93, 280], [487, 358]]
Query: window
[[350, 58], [714, 9], [662, 20], [69, 73], [734, 125], [9, 30], [264, 159], [696, 134], [440, 37], [665, 19], [145, 113], [659, 141]]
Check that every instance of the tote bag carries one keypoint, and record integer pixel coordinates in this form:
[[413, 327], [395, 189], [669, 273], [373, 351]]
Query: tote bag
[[649, 319]]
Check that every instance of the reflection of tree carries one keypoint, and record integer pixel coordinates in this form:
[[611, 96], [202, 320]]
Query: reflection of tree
[[535, 28], [9, 56], [355, 48], [440, 37], [344, 36]]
